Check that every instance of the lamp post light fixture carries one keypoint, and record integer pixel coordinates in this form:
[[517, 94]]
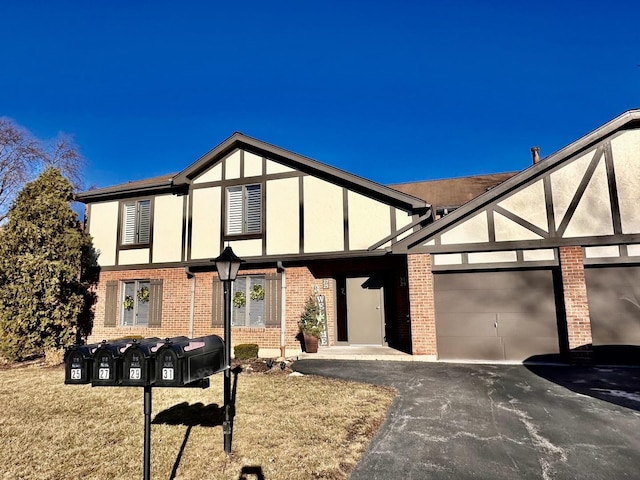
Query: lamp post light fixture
[[227, 264]]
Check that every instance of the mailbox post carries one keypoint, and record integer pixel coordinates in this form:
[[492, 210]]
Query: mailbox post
[[227, 265]]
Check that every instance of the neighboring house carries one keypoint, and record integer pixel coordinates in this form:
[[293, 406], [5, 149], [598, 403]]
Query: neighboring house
[[545, 263], [542, 262], [300, 225]]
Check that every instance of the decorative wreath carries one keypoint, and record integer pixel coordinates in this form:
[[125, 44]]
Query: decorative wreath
[[239, 299], [143, 294], [257, 292], [128, 302]]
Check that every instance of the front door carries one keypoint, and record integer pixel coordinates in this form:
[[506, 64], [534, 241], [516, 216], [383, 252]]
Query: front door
[[365, 311]]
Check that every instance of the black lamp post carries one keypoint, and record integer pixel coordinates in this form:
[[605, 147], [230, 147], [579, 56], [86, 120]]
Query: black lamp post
[[227, 265]]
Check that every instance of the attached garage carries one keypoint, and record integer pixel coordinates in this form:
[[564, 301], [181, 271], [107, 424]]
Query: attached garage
[[614, 304], [496, 315]]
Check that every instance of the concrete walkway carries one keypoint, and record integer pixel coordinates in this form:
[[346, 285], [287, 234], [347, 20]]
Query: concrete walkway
[[452, 421]]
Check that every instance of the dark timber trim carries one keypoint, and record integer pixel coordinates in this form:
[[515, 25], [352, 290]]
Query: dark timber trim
[[345, 217], [520, 221], [582, 187], [613, 189], [490, 223], [301, 213], [548, 201]]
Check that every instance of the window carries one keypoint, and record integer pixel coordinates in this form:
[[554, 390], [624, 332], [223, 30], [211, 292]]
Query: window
[[136, 296], [136, 222], [248, 301], [244, 209]]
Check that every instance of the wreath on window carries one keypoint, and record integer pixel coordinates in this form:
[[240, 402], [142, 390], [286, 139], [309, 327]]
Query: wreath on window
[[143, 294], [239, 299], [257, 292], [128, 302]]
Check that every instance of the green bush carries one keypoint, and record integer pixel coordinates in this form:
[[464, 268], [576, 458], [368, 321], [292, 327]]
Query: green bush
[[245, 351]]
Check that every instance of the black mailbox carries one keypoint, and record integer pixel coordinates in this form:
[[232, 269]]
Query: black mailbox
[[138, 362], [78, 363], [106, 363], [183, 362]]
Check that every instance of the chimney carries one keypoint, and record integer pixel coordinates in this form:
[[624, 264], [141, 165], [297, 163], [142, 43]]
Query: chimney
[[535, 153]]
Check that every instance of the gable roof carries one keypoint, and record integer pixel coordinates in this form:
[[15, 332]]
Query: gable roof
[[626, 120], [298, 162], [452, 192], [180, 181]]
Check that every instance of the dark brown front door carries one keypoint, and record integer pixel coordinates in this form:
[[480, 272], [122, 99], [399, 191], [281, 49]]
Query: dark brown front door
[[500, 315]]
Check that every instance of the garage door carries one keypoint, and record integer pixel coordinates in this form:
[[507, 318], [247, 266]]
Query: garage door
[[502, 315], [614, 304]]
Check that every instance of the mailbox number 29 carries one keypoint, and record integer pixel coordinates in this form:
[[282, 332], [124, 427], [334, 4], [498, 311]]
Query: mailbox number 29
[[103, 374], [134, 373], [167, 373]]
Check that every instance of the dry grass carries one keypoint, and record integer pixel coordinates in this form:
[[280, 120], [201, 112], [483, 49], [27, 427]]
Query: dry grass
[[285, 427]]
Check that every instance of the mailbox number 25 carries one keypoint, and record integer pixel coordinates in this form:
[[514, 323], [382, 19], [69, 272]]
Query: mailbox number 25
[[76, 374]]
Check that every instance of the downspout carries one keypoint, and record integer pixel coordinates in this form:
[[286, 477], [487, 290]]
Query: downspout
[[283, 316], [192, 306]]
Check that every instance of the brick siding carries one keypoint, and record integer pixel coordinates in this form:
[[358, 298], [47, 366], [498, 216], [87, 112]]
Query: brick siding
[[421, 304], [176, 307], [574, 289]]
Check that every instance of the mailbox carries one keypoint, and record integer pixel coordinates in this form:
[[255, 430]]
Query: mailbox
[[138, 363], [106, 363], [183, 362], [78, 364]]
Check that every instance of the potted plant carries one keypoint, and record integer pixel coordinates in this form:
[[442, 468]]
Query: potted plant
[[311, 325]]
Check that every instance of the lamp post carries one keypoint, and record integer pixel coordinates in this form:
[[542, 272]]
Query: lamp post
[[227, 265]]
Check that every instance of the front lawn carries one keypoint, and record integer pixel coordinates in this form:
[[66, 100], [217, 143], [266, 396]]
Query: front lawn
[[285, 428]]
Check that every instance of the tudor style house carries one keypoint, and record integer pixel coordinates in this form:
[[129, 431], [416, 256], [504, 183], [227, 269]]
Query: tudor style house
[[302, 228], [544, 263]]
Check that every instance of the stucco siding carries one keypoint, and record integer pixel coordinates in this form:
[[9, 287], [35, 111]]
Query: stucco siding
[[323, 216], [138, 256], [275, 167], [369, 221], [283, 216], [626, 160], [206, 223], [214, 174], [103, 227], [252, 164], [232, 166], [167, 228], [473, 230], [529, 204], [246, 248]]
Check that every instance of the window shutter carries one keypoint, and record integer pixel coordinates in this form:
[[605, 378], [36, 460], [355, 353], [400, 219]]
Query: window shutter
[[254, 209], [217, 317], [111, 304], [129, 224], [144, 221], [234, 210], [155, 303], [273, 300]]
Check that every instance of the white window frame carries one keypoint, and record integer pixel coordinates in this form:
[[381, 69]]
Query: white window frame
[[136, 310], [136, 222], [244, 209], [248, 321]]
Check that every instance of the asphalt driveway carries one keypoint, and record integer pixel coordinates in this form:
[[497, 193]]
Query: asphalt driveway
[[453, 421]]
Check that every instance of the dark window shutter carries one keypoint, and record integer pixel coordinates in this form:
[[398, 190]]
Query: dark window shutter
[[111, 304], [217, 311], [273, 300], [155, 303]]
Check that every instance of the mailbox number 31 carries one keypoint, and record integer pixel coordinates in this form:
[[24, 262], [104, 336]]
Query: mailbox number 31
[[167, 373]]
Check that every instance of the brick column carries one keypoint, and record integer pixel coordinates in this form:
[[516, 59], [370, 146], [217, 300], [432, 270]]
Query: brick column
[[574, 290], [421, 305]]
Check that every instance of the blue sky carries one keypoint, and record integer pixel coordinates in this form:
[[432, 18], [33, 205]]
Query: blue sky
[[392, 91]]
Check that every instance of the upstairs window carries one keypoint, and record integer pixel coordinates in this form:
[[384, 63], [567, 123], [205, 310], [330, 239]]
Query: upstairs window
[[136, 222], [244, 210]]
